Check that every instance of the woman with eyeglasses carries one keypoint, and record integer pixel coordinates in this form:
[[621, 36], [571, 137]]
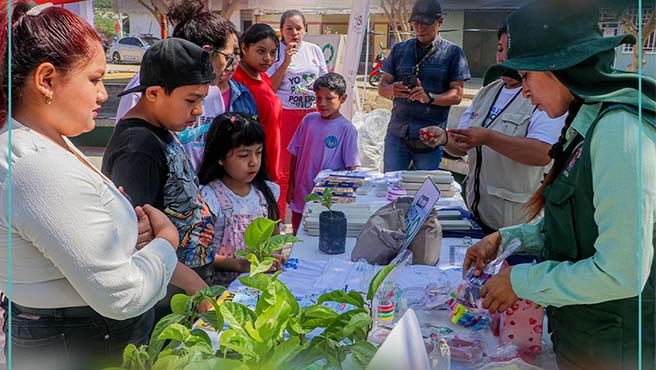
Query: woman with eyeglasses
[[292, 76], [86, 268], [259, 48], [214, 34], [236, 97]]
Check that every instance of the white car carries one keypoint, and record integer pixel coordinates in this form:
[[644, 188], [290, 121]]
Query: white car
[[130, 49]]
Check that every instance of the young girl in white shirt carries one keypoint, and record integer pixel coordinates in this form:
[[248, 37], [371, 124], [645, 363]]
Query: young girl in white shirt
[[236, 188]]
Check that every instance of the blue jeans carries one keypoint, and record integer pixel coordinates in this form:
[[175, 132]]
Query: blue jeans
[[59, 340], [398, 158]]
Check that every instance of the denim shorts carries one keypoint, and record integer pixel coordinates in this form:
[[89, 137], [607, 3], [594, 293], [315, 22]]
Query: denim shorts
[[70, 339]]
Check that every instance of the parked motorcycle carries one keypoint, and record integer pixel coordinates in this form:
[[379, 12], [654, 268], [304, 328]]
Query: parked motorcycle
[[377, 73]]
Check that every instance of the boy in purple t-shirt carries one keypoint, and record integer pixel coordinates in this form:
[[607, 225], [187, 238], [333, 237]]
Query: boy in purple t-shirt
[[323, 140]]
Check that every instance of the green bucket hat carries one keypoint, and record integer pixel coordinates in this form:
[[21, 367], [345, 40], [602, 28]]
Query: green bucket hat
[[552, 35]]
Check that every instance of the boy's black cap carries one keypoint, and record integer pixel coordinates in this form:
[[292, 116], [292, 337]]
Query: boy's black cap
[[426, 11], [172, 63]]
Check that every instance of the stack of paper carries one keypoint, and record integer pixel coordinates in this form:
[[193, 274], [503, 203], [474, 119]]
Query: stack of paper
[[356, 217], [412, 181]]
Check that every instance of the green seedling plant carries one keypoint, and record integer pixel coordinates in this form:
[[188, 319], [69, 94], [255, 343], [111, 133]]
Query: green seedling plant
[[272, 336], [326, 199]]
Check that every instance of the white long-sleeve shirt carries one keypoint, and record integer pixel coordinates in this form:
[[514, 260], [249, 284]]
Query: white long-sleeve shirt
[[73, 234]]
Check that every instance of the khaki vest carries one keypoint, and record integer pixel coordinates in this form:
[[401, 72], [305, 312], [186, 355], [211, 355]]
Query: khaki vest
[[497, 186]]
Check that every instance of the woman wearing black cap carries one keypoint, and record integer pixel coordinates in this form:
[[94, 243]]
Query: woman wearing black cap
[[596, 239]]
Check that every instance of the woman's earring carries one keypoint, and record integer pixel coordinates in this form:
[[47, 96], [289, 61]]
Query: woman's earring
[[48, 98], [221, 162]]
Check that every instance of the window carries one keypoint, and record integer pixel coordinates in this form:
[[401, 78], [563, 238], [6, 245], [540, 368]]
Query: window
[[124, 41], [610, 26]]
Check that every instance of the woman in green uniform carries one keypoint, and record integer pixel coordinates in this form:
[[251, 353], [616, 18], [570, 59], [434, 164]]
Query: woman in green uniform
[[596, 238]]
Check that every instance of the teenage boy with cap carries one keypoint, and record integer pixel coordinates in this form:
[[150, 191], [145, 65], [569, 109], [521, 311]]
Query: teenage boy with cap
[[597, 237], [147, 160], [425, 76]]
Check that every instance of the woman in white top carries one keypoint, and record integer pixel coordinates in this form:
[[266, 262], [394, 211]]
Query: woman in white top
[[85, 272], [299, 64]]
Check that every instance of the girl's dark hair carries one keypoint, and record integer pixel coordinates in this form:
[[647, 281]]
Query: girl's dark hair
[[291, 13], [51, 35], [257, 32], [229, 131], [557, 152], [503, 28], [194, 23]]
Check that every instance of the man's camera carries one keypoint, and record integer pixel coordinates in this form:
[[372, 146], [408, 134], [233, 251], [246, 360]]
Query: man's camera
[[409, 80]]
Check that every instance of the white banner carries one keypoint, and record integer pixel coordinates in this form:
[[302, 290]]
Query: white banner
[[357, 29], [332, 47]]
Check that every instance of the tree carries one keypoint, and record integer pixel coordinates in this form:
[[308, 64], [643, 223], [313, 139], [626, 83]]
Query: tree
[[158, 8], [228, 8], [630, 25], [398, 12]]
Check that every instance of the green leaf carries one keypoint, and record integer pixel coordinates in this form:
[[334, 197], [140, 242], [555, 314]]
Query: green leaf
[[312, 197], [362, 352], [278, 241], [258, 232], [277, 291], [215, 364], [295, 328], [259, 281], [252, 332], [327, 198], [357, 321], [202, 334], [169, 363], [181, 304], [236, 314], [212, 291], [316, 316], [175, 332], [262, 266], [213, 318], [241, 344], [378, 279], [283, 354], [352, 298], [336, 330], [272, 322], [128, 352], [155, 345]]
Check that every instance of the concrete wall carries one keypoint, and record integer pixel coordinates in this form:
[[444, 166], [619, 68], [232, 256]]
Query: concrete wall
[[454, 22]]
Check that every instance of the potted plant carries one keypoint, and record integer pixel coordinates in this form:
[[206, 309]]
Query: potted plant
[[332, 224], [273, 335]]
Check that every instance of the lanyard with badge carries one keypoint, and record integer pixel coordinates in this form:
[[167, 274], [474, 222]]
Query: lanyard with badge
[[479, 154], [489, 111]]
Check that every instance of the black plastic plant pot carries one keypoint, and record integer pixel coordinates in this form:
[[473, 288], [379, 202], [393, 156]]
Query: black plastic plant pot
[[332, 232]]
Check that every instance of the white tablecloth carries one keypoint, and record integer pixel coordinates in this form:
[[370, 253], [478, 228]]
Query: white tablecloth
[[309, 248]]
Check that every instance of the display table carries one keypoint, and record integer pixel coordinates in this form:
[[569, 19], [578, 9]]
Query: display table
[[308, 249]]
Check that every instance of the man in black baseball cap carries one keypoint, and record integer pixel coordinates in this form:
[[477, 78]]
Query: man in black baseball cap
[[171, 63], [147, 159], [425, 76], [426, 11]]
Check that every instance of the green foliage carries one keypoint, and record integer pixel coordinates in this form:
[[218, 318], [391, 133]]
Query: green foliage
[[273, 336], [326, 198]]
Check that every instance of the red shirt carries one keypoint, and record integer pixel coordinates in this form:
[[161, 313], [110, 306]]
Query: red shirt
[[269, 109]]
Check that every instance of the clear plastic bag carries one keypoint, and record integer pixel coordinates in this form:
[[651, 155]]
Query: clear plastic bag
[[468, 294]]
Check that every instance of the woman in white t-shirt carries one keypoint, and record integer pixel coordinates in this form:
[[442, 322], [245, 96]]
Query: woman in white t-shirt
[[299, 64]]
